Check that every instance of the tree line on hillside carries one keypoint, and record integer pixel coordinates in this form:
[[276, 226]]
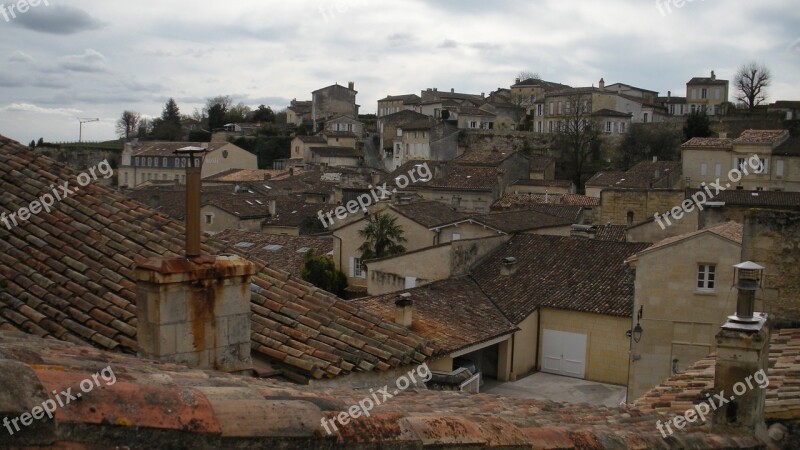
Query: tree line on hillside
[[214, 116]]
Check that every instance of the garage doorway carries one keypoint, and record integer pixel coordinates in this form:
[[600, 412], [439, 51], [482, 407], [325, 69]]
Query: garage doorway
[[564, 353]]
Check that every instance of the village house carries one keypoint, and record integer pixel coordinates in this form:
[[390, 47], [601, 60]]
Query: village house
[[706, 160], [396, 103], [707, 94], [151, 161], [298, 112], [682, 298], [530, 94], [571, 299], [333, 101]]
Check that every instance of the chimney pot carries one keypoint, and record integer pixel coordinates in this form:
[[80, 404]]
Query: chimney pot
[[509, 266], [404, 308]]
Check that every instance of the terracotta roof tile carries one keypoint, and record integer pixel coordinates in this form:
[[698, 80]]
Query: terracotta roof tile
[[78, 287], [563, 272], [435, 315], [157, 404], [429, 213]]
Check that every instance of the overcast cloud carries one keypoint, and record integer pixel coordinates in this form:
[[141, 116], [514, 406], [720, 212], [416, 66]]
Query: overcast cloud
[[92, 58]]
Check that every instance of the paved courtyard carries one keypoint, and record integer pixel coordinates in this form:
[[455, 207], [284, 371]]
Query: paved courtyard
[[560, 389]]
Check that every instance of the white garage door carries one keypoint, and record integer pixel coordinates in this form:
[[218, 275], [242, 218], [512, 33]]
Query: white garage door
[[564, 353]]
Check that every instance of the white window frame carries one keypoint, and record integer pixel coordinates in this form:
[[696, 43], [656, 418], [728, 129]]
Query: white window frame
[[706, 278]]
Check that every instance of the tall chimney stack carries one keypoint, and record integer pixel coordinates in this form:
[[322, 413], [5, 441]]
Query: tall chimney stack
[[743, 354]]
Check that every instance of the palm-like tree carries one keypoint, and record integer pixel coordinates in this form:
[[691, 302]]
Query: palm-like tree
[[383, 237]]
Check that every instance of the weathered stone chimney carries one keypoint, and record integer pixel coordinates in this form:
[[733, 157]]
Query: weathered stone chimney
[[195, 311], [404, 309], [602, 84], [273, 207], [713, 76], [743, 358], [351, 85], [509, 266]]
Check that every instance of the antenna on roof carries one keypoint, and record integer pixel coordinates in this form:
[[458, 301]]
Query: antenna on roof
[[83, 121]]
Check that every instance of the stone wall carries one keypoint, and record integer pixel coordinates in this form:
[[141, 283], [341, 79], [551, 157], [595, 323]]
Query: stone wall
[[772, 239], [643, 203]]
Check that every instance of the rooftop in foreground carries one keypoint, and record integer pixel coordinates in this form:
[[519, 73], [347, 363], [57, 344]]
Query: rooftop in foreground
[[163, 405]]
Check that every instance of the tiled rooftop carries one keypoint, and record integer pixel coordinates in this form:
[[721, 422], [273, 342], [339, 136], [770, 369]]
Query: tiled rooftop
[[511, 200], [566, 184], [244, 175], [286, 252], [163, 148], [468, 178], [430, 213], [160, 405], [562, 273], [68, 275], [484, 157], [640, 176], [241, 206], [728, 230], [773, 137], [518, 221], [453, 314], [614, 233], [711, 143]]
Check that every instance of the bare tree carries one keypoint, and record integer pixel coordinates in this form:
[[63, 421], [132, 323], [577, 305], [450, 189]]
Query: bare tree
[[577, 135], [128, 124], [751, 81], [528, 74]]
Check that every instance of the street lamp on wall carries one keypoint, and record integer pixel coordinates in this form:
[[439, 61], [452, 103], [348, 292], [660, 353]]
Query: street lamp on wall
[[637, 331]]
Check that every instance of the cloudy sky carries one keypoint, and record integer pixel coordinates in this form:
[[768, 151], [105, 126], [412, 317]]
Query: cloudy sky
[[89, 58]]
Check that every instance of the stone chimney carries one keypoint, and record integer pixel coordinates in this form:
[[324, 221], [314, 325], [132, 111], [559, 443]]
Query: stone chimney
[[273, 207], [743, 359], [517, 81], [713, 76], [351, 85], [452, 90], [602, 84], [195, 311], [669, 95], [508, 267], [404, 309]]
